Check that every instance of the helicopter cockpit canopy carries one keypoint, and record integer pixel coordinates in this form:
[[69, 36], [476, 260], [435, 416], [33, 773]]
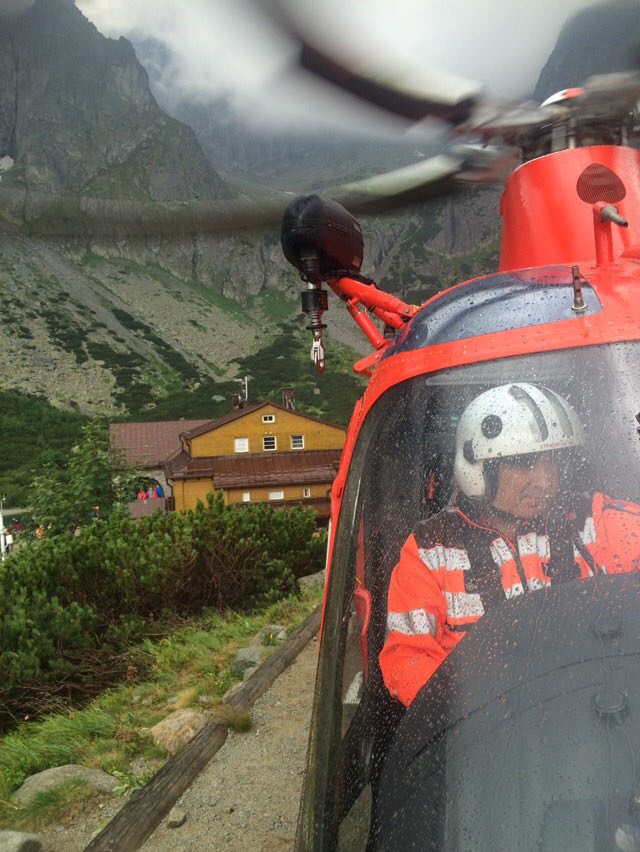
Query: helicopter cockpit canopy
[[376, 765]]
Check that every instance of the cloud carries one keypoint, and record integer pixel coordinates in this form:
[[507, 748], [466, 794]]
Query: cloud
[[216, 46]]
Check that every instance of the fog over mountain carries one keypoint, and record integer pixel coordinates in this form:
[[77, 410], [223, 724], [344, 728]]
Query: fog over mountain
[[599, 40], [215, 47], [160, 327]]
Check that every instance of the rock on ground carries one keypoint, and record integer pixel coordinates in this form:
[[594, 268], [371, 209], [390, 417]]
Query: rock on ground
[[247, 798], [18, 841], [312, 581], [50, 778], [176, 730]]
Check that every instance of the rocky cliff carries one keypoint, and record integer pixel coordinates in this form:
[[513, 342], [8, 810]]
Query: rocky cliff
[[77, 118], [77, 115], [599, 40], [159, 326], [151, 326]]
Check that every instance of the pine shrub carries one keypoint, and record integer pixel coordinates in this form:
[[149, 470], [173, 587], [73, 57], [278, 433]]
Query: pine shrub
[[72, 604]]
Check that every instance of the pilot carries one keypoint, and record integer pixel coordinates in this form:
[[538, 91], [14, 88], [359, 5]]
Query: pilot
[[513, 526]]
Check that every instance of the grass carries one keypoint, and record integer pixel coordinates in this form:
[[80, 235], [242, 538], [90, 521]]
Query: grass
[[277, 306], [50, 806], [224, 303], [111, 731]]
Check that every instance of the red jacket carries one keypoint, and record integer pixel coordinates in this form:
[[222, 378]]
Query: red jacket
[[452, 569]]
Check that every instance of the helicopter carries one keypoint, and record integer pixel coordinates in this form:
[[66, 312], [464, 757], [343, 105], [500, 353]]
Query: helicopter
[[524, 738]]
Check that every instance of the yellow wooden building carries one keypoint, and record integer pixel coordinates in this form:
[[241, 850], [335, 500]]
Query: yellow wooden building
[[260, 453]]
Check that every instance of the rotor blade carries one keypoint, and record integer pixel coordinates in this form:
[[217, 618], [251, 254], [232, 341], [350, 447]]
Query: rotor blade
[[601, 97], [396, 90], [490, 122], [85, 217], [432, 178], [610, 94], [93, 218], [411, 92]]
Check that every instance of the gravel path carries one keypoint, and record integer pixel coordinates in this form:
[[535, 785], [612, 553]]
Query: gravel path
[[247, 798]]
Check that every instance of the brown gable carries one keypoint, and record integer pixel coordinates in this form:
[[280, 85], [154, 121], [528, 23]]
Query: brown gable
[[175, 463], [149, 444], [299, 467], [210, 425]]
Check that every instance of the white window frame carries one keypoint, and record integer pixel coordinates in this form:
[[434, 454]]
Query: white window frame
[[246, 496], [269, 438], [237, 443], [306, 493], [276, 495], [301, 447], [268, 418]]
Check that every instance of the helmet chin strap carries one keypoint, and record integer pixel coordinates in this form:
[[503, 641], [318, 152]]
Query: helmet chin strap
[[509, 518], [501, 513]]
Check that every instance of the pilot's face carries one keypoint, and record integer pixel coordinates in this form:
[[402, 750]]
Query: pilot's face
[[527, 485]]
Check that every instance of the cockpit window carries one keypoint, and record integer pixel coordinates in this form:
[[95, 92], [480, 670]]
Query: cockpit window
[[401, 474]]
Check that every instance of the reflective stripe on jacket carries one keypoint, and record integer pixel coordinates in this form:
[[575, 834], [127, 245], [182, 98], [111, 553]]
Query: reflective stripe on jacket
[[452, 570]]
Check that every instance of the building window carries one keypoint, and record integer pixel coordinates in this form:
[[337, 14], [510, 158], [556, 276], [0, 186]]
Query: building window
[[297, 442], [246, 496], [241, 445], [306, 492], [268, 418], [276, 495], [269, 442]]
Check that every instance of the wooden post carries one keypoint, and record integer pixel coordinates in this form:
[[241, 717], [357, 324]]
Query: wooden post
[[144, 811]]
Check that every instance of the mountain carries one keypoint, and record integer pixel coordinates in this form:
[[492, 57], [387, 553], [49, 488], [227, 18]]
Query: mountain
[[77, 115], [291, 156], [161, 327], [126, 327], [602, 39], [287, 158]]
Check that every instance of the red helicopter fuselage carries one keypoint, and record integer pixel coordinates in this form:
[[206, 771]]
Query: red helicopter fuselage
[[546, 224], [563, 310]]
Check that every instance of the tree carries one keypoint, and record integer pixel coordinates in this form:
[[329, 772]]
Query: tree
[[94, 481]]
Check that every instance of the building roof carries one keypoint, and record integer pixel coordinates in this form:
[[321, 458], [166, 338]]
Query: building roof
[[259, 469], [175, 463], [210, 425], [149, 444]]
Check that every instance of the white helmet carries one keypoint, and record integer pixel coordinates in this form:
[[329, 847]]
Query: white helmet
[[510, 420]]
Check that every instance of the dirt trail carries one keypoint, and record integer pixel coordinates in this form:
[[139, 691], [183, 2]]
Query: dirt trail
[[248, 796]]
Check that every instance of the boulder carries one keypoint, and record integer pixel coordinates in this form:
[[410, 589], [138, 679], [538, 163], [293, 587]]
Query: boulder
[[176, 730], [249, 671], [18, 841], [312, 581], [248, 658], [50, 778]]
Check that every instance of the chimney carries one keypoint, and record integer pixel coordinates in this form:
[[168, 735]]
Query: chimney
[[236, 401], [288, 399]]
